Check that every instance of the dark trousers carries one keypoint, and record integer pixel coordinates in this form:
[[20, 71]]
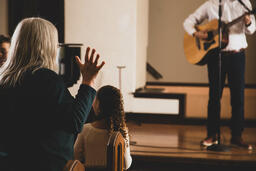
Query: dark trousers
[[232, 67]]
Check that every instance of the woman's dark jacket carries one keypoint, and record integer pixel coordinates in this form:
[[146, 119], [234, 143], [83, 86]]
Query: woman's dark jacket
[[39, 121]]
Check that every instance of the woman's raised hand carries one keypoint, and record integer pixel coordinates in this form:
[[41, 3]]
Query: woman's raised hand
[[90, 68]]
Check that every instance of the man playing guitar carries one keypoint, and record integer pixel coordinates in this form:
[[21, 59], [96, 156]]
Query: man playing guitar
[[232, 64]]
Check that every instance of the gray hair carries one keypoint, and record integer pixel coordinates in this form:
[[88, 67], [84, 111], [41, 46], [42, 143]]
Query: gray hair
[[33, 46]]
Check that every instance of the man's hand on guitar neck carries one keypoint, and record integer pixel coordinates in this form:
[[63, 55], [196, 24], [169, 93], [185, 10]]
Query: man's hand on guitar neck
[[201, 34], [247, 20]]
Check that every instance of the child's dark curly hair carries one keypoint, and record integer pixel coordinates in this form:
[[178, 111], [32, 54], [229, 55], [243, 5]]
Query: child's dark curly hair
[[111, 108]]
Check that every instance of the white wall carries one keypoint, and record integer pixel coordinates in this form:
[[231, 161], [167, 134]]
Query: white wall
[[166, 52], [3, 17], [115, 29], [166, 32], [142, 42]]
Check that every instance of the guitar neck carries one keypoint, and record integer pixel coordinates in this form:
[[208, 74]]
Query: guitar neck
[[240, 18], [236, 20]]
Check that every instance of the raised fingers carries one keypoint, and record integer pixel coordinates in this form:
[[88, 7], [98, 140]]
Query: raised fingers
[[101, 65], [89, 59], [97, 59], [87, 54], [92, 56], [78, 61]]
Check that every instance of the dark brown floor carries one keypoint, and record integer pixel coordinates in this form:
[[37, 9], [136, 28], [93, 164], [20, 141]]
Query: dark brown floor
[[177, 147]]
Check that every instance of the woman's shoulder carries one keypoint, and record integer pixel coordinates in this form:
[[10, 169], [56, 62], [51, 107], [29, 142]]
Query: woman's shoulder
[[92, 127], [45, 73], [44, 79], [86, 129], [46, 76], [87, 126], [89, 129]]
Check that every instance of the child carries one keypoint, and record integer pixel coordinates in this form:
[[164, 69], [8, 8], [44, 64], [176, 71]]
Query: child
[[91, 144]]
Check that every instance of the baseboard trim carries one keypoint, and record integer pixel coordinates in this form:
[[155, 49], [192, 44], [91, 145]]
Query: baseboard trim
[[152, 83], [174, 119]]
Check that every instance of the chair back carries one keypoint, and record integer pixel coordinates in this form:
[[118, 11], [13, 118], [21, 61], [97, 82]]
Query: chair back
[[74, 165], [115, 152]]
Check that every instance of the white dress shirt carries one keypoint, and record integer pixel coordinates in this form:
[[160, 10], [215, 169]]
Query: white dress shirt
[[231, 9]]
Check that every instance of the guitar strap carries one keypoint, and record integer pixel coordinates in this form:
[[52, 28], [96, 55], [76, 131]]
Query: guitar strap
[[241, 2]]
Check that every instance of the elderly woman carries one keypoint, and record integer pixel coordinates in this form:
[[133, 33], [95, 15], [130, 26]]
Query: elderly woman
[[39, 118]]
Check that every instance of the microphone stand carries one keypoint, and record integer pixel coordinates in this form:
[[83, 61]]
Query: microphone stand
[[219, 147]]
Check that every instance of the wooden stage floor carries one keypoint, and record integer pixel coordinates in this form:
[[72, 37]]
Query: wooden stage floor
[[169, 146]]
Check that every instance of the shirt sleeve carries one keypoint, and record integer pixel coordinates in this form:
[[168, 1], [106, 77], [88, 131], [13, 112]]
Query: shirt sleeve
[[250, 29], [61, 110], [196, 18], [127, 154], [75, 111]]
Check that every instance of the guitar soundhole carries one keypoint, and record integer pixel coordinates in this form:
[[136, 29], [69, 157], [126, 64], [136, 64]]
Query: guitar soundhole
[[207, 45], [210, 35]]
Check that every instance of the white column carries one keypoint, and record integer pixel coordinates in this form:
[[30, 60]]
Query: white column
[[118, 31]]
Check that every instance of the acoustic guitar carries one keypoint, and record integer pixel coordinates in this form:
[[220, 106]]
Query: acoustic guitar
[[197, 50]]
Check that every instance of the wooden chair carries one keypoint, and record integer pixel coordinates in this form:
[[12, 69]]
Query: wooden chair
[[74, 165], [115, 152]]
